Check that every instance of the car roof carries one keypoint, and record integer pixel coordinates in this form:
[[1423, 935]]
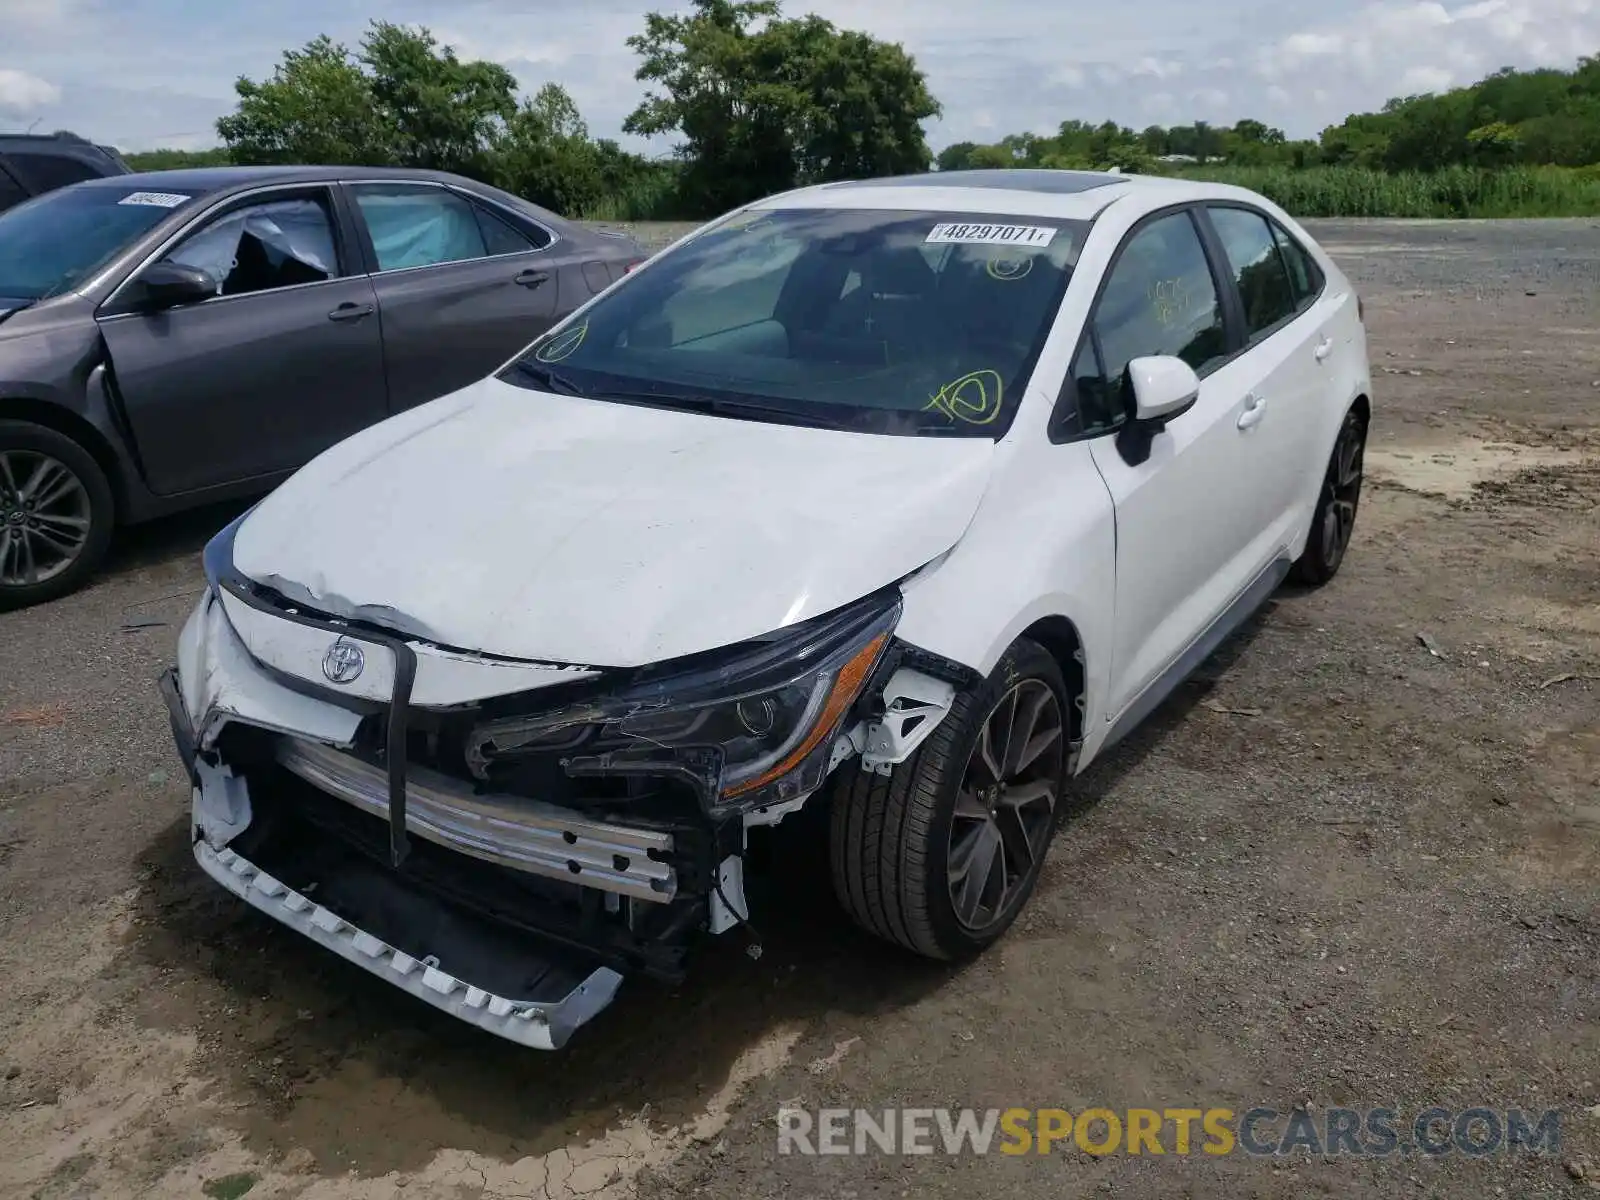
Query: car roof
[[214, 179], [211, 181], [1058, 194]]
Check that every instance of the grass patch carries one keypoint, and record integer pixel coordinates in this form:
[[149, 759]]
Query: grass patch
[[230, 1187]]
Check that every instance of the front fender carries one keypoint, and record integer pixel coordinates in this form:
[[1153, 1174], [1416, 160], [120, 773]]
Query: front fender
[[1042, 544]]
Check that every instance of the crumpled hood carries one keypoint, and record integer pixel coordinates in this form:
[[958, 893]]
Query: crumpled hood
[[536, 526]]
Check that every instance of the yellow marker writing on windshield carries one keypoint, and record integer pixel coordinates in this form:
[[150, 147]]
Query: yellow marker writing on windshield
[[563, 344], [974, 398]]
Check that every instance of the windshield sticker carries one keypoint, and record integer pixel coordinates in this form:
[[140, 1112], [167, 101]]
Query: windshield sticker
[[563, 344], [974, 398], [155, 199], [1005, 269], [1033, 236]]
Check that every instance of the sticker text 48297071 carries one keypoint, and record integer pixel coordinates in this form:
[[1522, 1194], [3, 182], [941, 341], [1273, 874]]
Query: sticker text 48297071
[[1034, 237]]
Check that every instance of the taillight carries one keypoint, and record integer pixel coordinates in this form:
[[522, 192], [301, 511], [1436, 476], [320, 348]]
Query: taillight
[[628, 270]]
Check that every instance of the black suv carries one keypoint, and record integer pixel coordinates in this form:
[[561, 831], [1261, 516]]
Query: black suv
[[30, 165]]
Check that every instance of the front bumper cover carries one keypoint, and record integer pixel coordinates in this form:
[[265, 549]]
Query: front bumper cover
[[515, 984], [544, 1024]]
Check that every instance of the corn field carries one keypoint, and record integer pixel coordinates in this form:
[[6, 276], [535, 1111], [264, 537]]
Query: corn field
[[1454, 192]]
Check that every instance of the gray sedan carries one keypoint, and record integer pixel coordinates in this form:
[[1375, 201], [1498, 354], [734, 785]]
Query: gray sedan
[[176, 338]]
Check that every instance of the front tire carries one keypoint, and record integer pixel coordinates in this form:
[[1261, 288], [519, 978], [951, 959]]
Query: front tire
[[941, 855], [56, 514], [1334, 521]]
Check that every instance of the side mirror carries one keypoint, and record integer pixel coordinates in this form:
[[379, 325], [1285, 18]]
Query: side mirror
[[169, 284], [1163, 387]]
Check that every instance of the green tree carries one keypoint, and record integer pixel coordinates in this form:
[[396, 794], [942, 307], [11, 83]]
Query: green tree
[[957, 157], [318, 107], [403, 100], [1494, 144], [545, 154], [443, 112], [173, 160], [761, 103]]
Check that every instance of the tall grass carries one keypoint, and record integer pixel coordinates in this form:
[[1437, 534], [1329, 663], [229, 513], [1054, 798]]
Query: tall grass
[[651, 196], [1453, 192]]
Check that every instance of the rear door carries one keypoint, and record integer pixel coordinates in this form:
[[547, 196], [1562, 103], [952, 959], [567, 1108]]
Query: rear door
[[460, 288], [284, 361], [1287, 342]]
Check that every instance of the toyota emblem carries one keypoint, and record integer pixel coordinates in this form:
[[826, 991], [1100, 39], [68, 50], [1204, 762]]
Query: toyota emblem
[[343, 662]]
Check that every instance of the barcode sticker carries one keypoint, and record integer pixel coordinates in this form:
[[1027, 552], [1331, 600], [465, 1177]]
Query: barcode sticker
[[154, 199], [1032, 236]]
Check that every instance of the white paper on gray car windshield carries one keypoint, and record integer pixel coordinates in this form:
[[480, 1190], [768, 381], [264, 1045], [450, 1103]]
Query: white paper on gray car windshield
[[154, 199]]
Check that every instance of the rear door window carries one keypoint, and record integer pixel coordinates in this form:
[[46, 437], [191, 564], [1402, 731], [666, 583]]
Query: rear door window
[[1257, 267], [414, 225]]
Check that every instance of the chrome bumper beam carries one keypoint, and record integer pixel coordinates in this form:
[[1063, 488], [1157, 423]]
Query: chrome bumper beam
[[524, 835]]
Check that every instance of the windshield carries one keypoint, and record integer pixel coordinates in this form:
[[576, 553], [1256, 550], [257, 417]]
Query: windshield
[[889, 322], [50, 243]]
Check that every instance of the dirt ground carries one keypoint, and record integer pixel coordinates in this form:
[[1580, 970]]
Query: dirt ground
[[1339, 869]]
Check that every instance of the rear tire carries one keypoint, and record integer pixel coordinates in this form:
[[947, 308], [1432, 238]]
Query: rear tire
[[56, 514], [941, 855], [1333, 522]]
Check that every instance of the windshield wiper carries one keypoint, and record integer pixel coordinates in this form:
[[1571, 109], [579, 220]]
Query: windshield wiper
[[551, 380], [698, 402]]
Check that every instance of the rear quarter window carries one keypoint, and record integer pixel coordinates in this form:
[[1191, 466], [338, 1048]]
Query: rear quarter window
[[46, 172]]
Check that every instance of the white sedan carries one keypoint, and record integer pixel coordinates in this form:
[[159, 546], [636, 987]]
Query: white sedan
[[906, 497]]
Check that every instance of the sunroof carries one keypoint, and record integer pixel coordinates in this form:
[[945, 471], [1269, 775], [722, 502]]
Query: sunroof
[[1019, 179]]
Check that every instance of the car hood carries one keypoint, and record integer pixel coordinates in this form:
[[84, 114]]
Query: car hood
[[535, 526], [10, 304]]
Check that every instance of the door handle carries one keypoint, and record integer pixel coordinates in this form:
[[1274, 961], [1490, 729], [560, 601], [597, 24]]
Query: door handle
[[350, 311], [531, 278], [1324, 348], [1254, 409]]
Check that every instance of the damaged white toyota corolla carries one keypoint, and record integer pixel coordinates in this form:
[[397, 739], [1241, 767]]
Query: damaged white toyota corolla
[[906, 497]]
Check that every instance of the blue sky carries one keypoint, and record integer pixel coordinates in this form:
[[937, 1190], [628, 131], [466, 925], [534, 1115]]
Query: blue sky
[[143, 73]]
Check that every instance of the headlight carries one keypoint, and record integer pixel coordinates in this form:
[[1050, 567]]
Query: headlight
[[218, 556], [769, 713]]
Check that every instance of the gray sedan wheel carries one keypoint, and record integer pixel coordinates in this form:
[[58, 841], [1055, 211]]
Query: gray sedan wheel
[[56, 514]]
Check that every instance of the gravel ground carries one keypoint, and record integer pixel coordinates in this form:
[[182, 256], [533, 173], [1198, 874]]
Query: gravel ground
[[1337, 870]]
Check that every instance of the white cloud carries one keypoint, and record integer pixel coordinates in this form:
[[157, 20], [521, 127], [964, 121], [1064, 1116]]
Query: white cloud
[[1435, 45], [41, 15], [1417, 80], [1009, 66], [1160, 68], [21, 92]]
